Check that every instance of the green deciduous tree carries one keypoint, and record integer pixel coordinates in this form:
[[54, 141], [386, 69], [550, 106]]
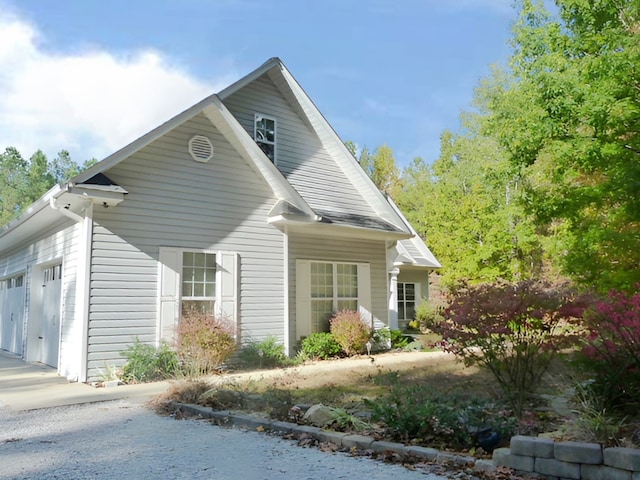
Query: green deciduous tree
[[384, 171], [466, 205], [570, 117], [380, 165]]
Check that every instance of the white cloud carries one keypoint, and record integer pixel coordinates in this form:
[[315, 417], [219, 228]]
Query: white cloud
[[92, 102]]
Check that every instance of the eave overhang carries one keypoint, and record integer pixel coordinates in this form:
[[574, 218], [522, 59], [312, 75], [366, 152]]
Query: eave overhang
[[62, 201], [346, 231]]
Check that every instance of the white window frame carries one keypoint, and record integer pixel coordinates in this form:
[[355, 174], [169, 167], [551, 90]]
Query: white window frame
[[403, 300], [335, 298], [198, 298], [304, 325], [264, 141], [170, 270]]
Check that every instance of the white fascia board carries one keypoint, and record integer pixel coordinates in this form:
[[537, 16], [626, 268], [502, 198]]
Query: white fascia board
[[329, 137], [344, 231], [247, 79], [429, 258], [170, 124], [227, 124], [403, 257], [37, 217], [142, 142]]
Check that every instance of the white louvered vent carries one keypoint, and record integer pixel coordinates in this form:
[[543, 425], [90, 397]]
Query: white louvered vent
[[200, 148]]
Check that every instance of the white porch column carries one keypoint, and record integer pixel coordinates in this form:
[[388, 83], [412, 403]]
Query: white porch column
[[393, 299]]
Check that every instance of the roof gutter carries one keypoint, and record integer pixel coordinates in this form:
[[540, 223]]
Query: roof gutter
[[65, 210]]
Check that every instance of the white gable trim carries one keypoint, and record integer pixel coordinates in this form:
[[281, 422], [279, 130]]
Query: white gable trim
[[247, 79], [336, 147], [428, 259], [226, 123]]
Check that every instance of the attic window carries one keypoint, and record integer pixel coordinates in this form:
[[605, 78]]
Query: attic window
[[264, 133], [200, 148]]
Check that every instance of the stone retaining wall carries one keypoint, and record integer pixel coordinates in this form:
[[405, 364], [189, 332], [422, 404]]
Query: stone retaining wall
[[569, 460]]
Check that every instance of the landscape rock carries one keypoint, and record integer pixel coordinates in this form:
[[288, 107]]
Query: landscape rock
[[319, 415]]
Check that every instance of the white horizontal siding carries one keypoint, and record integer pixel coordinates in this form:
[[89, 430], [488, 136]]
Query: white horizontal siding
[[174, 201], [333, 249], [60, 243], [300, 155]]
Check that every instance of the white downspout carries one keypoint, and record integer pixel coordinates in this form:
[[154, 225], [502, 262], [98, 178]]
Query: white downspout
[[83, 288], [81, 313]]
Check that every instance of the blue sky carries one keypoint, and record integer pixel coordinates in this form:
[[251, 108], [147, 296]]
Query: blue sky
[[91, 76]]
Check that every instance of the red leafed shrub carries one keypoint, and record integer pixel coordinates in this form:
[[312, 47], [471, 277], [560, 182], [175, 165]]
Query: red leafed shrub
[[511, 329], [350, 331], [204, 342], [612, 349]]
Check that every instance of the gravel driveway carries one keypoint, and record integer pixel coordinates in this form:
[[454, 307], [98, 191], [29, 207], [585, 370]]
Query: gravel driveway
[[125, 440]]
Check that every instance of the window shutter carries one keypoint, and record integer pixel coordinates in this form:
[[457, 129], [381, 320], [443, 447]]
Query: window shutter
[[170, 263], [227, 279], [303, 298], [418, 293], [364, 292]]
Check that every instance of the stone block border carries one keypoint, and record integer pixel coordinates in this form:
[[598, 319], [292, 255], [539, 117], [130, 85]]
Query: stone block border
[[569, 460], [341, 439], [533, 455]]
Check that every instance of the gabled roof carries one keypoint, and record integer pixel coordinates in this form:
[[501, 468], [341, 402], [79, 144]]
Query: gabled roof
[[413, 251], [289, 200], [307, 110]]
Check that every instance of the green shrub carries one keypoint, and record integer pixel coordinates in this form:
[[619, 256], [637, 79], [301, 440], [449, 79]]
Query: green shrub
[[146, 363], [344, 421], [381, 338], [427, 317], [413, 413], [319, 345], [385, 337], [350, 331], [268, 353], [399, 339], [204, 343]]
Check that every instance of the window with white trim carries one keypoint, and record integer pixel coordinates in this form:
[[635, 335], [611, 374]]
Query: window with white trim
[[334, 287], [406, 301], [198, 282], [201, 280], [52, 273], [264, 133]]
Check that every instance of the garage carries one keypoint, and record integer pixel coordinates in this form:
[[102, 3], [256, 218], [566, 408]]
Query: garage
[[46, 317], [12, 302]]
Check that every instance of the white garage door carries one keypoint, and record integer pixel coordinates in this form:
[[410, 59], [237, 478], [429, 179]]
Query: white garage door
[[48, 321], [12, 313]]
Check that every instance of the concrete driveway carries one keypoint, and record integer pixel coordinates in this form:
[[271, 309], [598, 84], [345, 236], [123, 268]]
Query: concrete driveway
[[31, 386]]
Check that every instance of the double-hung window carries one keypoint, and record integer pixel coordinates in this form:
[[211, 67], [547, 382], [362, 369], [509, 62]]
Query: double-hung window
[[264, 133], [334, 287], [198, 282], [324, 288], [406, 301]]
